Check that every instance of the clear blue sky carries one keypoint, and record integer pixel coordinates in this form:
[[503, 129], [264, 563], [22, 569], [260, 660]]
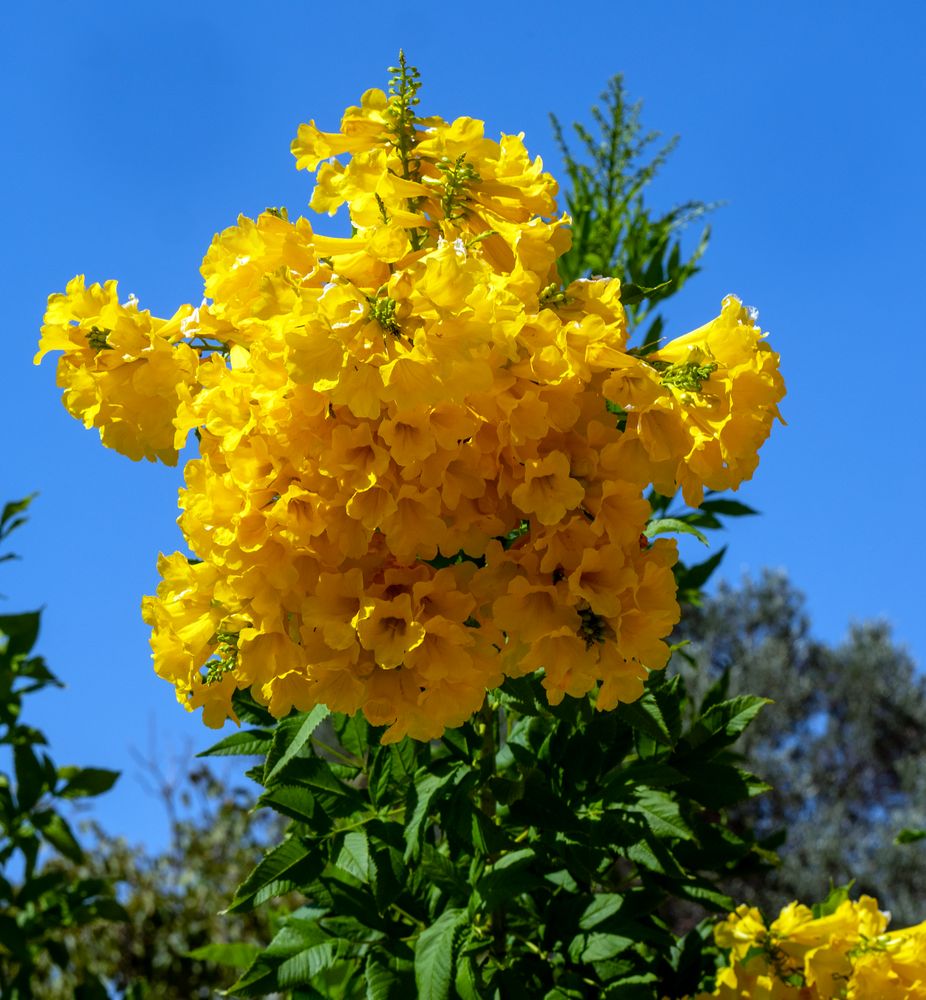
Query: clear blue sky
[[133, 132]]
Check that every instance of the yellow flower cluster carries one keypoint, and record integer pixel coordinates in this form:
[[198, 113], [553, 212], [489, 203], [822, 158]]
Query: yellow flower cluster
[[422, 460], [848, 953]]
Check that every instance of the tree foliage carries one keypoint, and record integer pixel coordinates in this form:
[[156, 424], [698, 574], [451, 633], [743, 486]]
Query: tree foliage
[[175, 942], [843, 744], [529, 852], [614, 231], [39, 901]]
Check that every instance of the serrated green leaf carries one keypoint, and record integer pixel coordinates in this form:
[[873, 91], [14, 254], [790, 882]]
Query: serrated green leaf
[[698, 891], [661, 813], [248, 743], [283, 868], [725, 721], [389, 976], [382, 983], [295, 802], [645, 715], [290, 737], [466, 981], [353, 732], [718, 785], [354, 857], [300, 969], [650, 854], [427, 790], [654, 775], [434, 954]]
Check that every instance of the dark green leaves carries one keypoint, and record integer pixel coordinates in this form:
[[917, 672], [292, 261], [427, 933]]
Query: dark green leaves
[[39, 899], [532, 849], [289, 739], [434, 954], [82, 782], [289, 866], [614, 232]]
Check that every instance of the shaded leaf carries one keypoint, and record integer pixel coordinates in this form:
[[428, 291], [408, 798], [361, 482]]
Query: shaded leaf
[[434, 955]]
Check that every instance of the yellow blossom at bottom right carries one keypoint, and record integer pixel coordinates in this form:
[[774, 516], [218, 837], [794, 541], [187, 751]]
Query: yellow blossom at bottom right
[[847, 952]]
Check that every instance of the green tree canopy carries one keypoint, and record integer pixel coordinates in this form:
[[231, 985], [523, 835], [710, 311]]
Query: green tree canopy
[[843, 745]]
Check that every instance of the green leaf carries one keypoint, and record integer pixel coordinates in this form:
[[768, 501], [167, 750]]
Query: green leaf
[[908, 836], [837, 895], [661, 813], [303, 967], [632, 295], [247, 743], [434, 954], [381, 982], [672, 525], [354, 857], [31, 780], [717, 785], [290, 737], [21, 632], [649, 853], [657, 712], [297, 803], [604, 906], [237, 955], [388, 980], [353, 732], [427, 791], [54, 828], [288, 866], [86, 781], [466, 981], [507, 878], [694, 577], [724, 722], [730, 508], [8, 519], [699, 891], [597, 947], [249, 710]]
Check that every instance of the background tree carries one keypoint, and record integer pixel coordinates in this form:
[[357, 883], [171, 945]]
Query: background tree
[[174, 933], [41, 902], [843, 745]]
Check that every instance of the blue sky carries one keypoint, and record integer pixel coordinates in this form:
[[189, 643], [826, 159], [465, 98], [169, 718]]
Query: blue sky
[[134, 132]]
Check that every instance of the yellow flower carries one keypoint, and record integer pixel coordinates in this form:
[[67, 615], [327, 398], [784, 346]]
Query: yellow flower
[[421, 394], [122, 370], [548, 491], [389, 630]]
